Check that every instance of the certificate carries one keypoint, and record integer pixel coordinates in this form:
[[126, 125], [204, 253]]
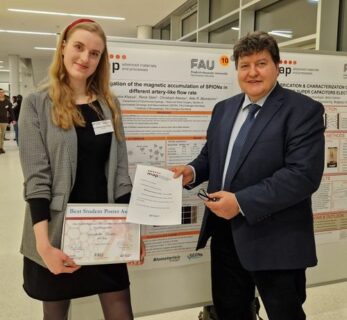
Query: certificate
[[156, 197], [98, 234]]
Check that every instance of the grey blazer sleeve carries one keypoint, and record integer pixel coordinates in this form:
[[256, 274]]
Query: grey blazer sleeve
[[32, 152], [123, 183]]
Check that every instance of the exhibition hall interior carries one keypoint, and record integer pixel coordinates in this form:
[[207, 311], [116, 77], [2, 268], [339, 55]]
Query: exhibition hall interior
[[171, 62]]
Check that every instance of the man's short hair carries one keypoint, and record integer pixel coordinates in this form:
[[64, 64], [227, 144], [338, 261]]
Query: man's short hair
[[255, 42]]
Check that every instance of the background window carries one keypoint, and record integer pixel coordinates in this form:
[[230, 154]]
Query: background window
[[189, 215], [246, 1], [219, 8], [165, 33], [225, 34], [342, 33], [189, 23], [288, 19]]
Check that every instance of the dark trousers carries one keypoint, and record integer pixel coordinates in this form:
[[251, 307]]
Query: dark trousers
[[15, 126], [282, 291]]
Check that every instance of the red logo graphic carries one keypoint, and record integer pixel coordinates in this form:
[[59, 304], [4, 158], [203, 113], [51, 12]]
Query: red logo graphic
[[117, 56], [293, 62]]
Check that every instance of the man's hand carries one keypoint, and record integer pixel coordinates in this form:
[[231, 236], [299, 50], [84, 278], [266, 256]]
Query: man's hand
[[225, 206], [187, 173]]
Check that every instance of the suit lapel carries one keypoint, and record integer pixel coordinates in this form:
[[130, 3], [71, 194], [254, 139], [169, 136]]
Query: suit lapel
[[69, 136], [105, 110], [266, 113], [226, 126]]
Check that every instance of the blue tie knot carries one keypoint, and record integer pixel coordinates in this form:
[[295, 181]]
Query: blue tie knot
[[252, 109]]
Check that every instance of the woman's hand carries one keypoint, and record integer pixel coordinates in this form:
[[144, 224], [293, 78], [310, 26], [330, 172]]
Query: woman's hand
[[57, 261], [142, 255]]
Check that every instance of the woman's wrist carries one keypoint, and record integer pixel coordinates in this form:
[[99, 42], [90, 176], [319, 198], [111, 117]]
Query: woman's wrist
[[41, 236]]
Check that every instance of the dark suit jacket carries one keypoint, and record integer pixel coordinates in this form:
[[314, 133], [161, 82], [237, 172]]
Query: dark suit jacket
[[279, 168]]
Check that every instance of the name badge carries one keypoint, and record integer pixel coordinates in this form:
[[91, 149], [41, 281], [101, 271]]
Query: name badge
[[103, 126]]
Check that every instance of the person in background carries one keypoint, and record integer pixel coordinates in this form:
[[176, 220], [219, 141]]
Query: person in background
[[16, 105], [9, 116], [64, 160], [6, 115], [263, 158], [14, 100]]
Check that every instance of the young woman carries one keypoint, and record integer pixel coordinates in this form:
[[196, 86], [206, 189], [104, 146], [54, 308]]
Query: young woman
[[65, 161]]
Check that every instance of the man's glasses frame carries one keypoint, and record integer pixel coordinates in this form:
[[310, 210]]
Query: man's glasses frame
[[202, 194]]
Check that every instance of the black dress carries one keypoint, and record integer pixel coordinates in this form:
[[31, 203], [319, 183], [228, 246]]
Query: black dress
[[90, 187]]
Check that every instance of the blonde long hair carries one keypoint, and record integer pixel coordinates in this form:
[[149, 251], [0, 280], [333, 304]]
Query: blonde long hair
[[65, 114]]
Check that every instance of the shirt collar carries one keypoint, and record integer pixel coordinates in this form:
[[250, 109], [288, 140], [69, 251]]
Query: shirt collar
[[247, 101]]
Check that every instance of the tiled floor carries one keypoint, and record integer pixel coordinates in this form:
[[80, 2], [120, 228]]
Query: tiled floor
[[323, 303]]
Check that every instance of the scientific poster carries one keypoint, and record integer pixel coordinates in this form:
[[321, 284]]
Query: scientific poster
[[167, 95], [324, 78]]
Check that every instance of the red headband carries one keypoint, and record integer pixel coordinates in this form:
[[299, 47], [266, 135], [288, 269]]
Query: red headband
[[71, 25]]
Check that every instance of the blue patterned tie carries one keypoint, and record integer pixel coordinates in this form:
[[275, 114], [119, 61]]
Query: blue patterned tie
[[239, 142]]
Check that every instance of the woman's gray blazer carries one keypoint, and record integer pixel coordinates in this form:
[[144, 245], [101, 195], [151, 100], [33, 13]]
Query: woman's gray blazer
[[48, 157]]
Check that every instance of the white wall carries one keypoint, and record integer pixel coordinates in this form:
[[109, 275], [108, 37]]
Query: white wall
[[40, 68], [31, 73], [4, 77], [4, 85], [26, 77]]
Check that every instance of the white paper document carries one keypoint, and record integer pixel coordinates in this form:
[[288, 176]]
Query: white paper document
[[156, 198], [99, 234]]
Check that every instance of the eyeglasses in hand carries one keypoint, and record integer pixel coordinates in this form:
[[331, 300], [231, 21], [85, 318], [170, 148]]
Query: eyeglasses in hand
[[202, 194]]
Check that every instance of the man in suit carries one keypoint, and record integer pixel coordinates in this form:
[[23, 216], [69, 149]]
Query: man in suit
[[263, 157]]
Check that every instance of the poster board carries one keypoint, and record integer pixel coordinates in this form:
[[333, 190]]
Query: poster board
[[323, 76], [167, 91], [169, 280]]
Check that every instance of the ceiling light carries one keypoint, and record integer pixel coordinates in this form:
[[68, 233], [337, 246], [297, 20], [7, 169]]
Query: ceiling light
[[44, 48], [29, 32], [235, 28], [282, 33], [65, 14], [4, 70]]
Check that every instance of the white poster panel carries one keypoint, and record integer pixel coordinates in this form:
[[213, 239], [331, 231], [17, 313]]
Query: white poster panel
[[167, 103], [324, 78], [167, 95]]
